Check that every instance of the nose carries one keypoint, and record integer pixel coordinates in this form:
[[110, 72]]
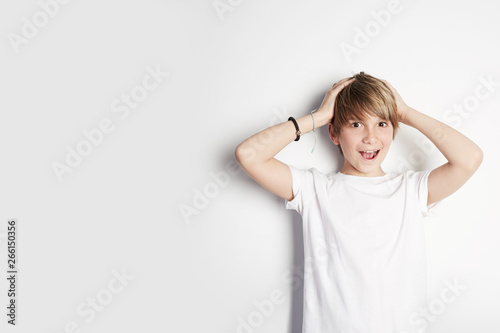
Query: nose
[[370, 136]]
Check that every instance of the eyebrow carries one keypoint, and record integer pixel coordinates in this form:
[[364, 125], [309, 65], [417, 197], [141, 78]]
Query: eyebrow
[[359, 119]]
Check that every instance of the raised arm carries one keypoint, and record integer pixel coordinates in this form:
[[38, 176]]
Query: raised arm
[[464, 156], [256, 154]]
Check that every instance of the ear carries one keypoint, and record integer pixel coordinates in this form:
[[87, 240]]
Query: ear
[[333, 137]]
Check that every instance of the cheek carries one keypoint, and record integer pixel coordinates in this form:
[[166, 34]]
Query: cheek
[[387, 143], [349, 143], [388, 137], [351, 138]]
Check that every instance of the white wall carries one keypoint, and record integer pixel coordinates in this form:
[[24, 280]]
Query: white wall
[[232, 71]]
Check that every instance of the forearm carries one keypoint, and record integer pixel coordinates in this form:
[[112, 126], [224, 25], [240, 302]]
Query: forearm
[[264, 145], [456, 147]]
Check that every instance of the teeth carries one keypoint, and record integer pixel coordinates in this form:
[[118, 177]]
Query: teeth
[[369, 151]]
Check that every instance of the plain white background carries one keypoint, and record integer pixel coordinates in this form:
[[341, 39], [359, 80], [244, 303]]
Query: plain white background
[[234, 68]]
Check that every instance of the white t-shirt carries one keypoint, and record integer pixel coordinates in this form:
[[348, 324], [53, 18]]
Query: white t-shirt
[[364, 248]]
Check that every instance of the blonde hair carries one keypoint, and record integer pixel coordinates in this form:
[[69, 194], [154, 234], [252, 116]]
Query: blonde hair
[[366, 95]]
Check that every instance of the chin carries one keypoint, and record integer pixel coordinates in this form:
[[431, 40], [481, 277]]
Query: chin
[[371, 167]]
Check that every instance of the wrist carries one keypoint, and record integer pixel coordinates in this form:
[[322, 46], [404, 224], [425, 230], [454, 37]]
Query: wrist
[[321, 119], [403, 113]]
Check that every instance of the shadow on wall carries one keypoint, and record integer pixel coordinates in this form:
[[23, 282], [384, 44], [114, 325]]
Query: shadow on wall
[[293, 278], [297, 292]]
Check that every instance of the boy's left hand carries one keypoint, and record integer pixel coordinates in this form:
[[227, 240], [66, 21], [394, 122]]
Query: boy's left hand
[[402, 107]]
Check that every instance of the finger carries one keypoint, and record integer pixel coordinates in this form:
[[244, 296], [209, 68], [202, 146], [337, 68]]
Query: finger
[[344, 82]]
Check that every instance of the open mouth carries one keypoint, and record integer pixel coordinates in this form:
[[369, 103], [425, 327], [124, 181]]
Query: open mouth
[[369, 154]]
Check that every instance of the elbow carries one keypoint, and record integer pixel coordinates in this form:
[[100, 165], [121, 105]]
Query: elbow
[[241, 153], [470, 162], [238, 154], [246, 156], [475, 160], [479, 157]]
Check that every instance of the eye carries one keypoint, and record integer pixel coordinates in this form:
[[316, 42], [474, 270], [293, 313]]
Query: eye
[[383, 124], [356, 123]]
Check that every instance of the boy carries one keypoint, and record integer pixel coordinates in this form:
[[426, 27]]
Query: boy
[[372, 277]]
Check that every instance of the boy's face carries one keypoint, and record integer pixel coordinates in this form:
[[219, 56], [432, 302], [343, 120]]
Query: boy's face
[[365, 144]]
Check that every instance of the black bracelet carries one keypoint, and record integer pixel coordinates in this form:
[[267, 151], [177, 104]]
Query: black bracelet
[[296, 127]]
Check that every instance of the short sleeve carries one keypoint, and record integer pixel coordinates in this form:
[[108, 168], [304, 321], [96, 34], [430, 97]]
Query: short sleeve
[[302, 185], [418, 181]]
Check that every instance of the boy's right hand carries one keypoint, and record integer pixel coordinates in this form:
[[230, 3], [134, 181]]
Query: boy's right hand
[[326, 107]]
